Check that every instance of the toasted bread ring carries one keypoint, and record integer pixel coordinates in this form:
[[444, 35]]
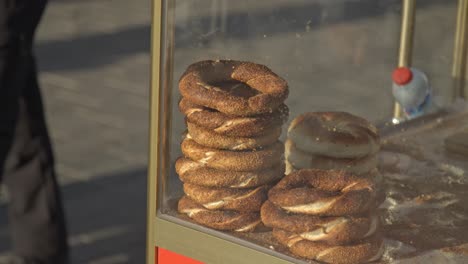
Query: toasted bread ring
[[233, 125], [361, 251], [333, 230], [334, 134], [324, 193], [197, 173], [261, 159], [242, 200], [198, 84], [302, 160], [219, 219], [213, 140]]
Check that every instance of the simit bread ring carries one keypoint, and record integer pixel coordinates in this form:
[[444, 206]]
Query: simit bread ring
[[221, 220], [334, 134], [242, 200], [232, 125], [366, 250], [197, 173], [199, 85], [324, 193], [333, 230], [213, 140], [302, 160], [261, 159]]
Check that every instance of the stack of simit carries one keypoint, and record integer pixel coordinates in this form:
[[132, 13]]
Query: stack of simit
[[325, 208], [231, 153]]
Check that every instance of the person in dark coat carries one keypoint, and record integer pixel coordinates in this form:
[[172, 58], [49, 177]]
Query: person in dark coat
[[35, 209]]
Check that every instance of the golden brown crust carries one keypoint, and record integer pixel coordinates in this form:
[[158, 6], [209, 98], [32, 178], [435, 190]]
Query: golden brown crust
[[219, 219], [334, 134], [333, 230], [242, 200], [233, 125], [302, 160], [214, 140], [197, 173], [254, 160], [366, 250], [324, 193], [199, 85]]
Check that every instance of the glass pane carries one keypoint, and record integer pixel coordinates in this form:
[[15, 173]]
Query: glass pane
[[433, 45], [336, 56]]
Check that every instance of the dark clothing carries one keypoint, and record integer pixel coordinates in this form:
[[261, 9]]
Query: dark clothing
[[26, 158], [18, 22]]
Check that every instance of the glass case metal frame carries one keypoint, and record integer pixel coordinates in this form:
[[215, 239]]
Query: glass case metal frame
[[176, 235]]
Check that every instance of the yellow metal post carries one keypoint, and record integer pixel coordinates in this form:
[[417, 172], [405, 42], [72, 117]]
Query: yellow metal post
[[459, 51], [167, 69], [406, 41], [154, 130]]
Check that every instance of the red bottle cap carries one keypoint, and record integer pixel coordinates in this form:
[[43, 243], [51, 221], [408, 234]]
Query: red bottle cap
[[402, 75]]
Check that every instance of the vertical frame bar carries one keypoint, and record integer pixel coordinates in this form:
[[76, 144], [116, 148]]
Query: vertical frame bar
[[154, 130], [406, 41], [166, 80], [459, 51]]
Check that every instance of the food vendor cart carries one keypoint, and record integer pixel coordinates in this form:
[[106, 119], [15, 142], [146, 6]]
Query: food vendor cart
[[335, 56]]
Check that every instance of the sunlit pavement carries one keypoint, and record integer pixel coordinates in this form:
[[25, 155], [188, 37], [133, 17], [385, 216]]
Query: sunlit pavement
[[93, 58]]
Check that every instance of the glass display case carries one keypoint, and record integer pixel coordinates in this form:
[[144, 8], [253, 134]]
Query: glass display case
[[308, 131]]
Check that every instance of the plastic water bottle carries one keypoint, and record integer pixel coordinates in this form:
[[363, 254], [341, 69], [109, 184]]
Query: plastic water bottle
[[412, 91]]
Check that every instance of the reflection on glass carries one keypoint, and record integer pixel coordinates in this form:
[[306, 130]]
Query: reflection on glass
[[335, 56]]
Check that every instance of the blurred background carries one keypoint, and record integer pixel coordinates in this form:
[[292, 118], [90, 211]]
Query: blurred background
[[94, 62]]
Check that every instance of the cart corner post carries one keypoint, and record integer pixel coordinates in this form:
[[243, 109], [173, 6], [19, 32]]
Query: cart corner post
[[459, 51], [153, 159], [408, 15]]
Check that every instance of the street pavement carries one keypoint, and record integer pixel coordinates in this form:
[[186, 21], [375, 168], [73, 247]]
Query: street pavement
[[94, 62]]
